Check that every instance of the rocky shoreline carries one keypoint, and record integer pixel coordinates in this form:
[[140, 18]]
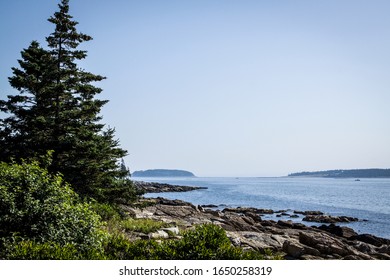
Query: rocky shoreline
[[246, 228], [152, 187]]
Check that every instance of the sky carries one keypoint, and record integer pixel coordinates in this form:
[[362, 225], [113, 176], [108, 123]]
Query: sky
[[230, 88]]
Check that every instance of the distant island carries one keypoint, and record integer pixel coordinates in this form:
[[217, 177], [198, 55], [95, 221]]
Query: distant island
[[162, 173], [352, 173]]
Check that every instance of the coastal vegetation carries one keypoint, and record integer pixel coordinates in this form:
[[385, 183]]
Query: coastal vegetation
[[66, 194], [38, 207], [41, 217], [63, 188]]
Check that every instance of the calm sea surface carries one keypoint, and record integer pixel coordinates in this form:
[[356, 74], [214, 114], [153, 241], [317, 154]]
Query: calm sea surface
[[368, 199]]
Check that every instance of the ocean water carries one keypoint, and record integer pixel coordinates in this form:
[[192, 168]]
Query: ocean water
[[368, 199]]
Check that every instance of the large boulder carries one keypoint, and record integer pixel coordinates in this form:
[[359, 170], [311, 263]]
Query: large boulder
[[296, 250], [288, 224], [371, 239], [329, 246], [345, 232], [257, 240], [240, 223]]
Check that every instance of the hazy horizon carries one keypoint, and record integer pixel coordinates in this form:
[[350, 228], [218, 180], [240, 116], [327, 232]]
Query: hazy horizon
[[231, 88], [254, 176]]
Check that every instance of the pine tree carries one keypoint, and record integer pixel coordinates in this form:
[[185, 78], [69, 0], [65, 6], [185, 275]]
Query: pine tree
[[56, 109], [27, 130], [124, 168]]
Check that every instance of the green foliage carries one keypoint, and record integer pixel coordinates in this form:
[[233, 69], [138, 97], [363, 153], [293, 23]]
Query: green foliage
[[141, 204], [119, 247], [38, 206], [142, 225], [205, 242], [57, 109], [209, 242], [106, 211], [31, 250]]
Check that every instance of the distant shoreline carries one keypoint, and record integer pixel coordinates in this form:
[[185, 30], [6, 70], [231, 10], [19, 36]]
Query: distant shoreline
[[162, 173], [341, 173]]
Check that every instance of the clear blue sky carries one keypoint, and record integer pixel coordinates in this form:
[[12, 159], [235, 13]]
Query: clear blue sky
[[231, 88]]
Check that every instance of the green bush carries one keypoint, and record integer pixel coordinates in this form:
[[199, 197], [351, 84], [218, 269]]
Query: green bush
[[209, 242], [106, 211], [31, 250], [42, 208], [119, 247]]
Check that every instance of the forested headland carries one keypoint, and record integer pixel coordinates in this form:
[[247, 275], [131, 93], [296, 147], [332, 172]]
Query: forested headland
[[352, 173], [162, 173]]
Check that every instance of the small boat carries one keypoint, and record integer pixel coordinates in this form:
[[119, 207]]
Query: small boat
[[357, 179]]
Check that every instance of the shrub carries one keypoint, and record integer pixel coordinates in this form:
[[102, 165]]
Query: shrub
[[119, 247], [210, 242], [142, 225], [106, 211], [31, 250], [42, 208]]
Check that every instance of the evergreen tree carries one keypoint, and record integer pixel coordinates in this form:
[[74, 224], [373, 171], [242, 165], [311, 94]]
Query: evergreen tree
[[124, 168], [27, 129], [56, 109]]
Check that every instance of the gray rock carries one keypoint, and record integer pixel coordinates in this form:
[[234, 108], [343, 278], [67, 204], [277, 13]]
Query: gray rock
[[384, 249], [288, 224], [309, 212], [244, 210], [151, 187], [209, 206], [293, 248], [254, 216], [329, 219], [298, 226], [345, 232], [371, 239], [160, 234], [171, 230], [257, 240]]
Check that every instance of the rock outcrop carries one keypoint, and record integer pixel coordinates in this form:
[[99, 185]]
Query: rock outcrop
[[329, 219], [246, 228], [149, 187]]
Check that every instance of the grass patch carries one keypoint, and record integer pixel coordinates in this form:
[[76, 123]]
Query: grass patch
[[142, 203], [142, 225], [106, 211]]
